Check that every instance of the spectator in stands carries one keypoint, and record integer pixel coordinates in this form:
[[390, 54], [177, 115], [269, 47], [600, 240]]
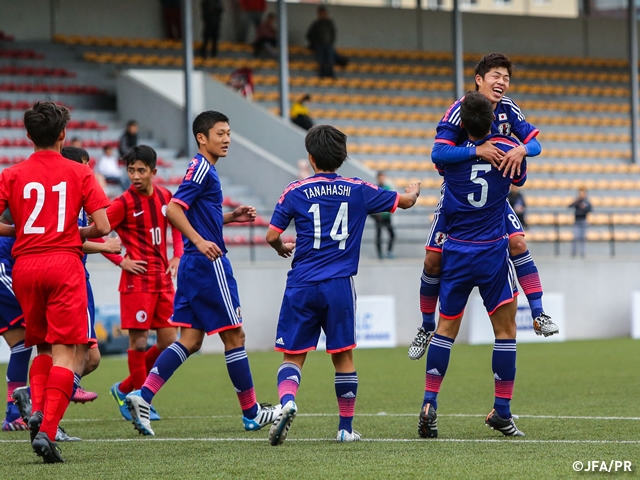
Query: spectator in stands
[[109, 168], [251, 12], [581, 207], [516, 200], [212, 11], [76, 142], [321, 37], [129, 138], [241, 80], [383, 220], [300, 114], [303, 169], [266, 41], [172, 16]]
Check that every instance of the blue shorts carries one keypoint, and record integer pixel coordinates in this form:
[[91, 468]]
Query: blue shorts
[[329, 305], [10, 312], [91, 316], [438, 230], [207, 295], [484, 265]]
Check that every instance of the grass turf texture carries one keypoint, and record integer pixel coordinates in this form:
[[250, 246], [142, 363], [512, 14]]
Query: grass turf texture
[[201, 419]]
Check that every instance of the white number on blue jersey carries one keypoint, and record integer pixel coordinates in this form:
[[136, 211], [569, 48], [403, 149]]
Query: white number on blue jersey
[[341, 222], [514, 221], [61, 188], [475, 169]]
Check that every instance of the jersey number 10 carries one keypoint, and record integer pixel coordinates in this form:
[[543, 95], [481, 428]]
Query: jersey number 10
[[61, 188], [341, 222]]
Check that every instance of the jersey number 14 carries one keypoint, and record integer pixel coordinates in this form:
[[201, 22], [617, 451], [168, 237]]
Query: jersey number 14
[[340, 223]]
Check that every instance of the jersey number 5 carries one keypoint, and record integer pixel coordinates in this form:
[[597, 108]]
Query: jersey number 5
[[480, 181], [61, 188], [341, 222]]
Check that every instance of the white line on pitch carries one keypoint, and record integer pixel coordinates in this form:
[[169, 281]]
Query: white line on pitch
[[370, 440]]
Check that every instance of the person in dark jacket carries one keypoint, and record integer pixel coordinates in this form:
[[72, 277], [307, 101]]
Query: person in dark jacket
[[129, 138], [211, 17], [321, 37], [582, 207]]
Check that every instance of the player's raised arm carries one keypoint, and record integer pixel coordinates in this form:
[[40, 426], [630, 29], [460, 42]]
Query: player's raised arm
[[175, 214], [410, 196]]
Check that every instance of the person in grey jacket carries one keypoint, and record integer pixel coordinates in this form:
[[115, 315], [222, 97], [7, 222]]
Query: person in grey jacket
[[582, 207]]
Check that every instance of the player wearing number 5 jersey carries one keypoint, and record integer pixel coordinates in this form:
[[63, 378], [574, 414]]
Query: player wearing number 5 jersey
[[45, 195], [329, 212], [139, 216]]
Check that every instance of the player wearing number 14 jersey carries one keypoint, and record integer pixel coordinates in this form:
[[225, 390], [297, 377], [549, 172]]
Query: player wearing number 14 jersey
[[329, 212], [139, 216], [45, 195]]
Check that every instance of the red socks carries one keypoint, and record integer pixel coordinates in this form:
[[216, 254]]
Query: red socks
[[38, 374], [58, 391], [130, 383]]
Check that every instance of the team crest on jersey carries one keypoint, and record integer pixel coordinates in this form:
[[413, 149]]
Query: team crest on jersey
[[141, 316], [164, 210], [239, 312], [502, 117], [440, 238], [504, 128], [191, 169]]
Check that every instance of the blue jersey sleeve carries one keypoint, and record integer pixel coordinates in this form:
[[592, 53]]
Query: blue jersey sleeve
[[522, 129], [445, 153], [519, 180], [378, 199], [193, 183], [533, 148], [282, 214]]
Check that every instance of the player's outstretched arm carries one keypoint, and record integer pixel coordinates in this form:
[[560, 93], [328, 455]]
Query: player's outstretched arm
[[98, 245], [175, 214], [284, 249], [410, 196], [100, 227], [241, 214], [7, 230]]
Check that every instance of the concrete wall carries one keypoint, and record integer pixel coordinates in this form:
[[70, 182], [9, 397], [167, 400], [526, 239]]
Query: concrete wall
[[597, 294], [357, 27]]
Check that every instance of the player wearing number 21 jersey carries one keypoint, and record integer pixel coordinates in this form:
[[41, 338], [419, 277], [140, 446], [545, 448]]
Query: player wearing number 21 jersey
[[329, 212], [45, 195]]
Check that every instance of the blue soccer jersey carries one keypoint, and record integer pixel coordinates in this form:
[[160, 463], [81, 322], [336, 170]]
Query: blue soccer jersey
[[329, 212], [6, 244], [83, 221], [475, 195], [508, 120], [200, 193]]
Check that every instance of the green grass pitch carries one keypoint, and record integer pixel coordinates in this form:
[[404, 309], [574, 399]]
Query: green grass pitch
[[576, 401]]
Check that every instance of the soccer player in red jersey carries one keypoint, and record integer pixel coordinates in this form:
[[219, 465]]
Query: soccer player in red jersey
[[45, 195], [139, 216]]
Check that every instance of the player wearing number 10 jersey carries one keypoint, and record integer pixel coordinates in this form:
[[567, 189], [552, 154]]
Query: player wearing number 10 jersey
[[329, 212], [45, 195], [139, 216]]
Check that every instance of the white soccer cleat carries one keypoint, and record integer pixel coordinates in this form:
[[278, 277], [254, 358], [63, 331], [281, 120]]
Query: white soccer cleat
[[344, 436], [282, 424], [266, 415], [543, 325], [419, 345], [140, 413]]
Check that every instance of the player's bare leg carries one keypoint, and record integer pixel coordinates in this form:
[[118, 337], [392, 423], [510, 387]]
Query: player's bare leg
[[288, 378], [346, 386], [87, 360], [529, 280], [504, 369], [429, 290]]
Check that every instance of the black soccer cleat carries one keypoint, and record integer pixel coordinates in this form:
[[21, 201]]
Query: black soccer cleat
[[34, 424], [506, 426], [22, 400], [45, 448], [428, 422]]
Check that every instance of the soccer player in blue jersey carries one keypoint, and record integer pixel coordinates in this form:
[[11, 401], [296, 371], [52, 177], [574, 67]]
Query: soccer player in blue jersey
[[329, 212], [493, 76], [206, 299], [476, 253]]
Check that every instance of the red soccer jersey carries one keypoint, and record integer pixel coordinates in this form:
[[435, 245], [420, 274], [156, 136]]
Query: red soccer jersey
[[45, 195], [141, 222]]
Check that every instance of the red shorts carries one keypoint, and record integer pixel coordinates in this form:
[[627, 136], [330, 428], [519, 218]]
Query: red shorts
[[146, 311], [52, 291]]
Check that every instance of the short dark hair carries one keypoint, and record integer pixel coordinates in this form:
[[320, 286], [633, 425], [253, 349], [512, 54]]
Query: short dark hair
[[205, 122], [75, 153], [328, 147], [44, 122], [476, 114], [131, 123], [144, 153], [491, 61]]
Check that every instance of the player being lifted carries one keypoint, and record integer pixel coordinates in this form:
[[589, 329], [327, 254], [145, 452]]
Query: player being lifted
[[329, 212], [45, 195], [206, 300], [493, 76], [139, 216], [476, 253]]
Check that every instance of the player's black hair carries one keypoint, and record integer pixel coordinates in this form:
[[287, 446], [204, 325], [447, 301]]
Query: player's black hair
[[44, 123], [491, 61], [328, 147], [76, 154], [476, 114], [205, 122], [131, 123], [144, 153]]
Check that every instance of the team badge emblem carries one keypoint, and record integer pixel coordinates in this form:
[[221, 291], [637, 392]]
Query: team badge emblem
[[502, 117], [440, 238], [239, 312], [504, 129], [141, 316], [164, 210]]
